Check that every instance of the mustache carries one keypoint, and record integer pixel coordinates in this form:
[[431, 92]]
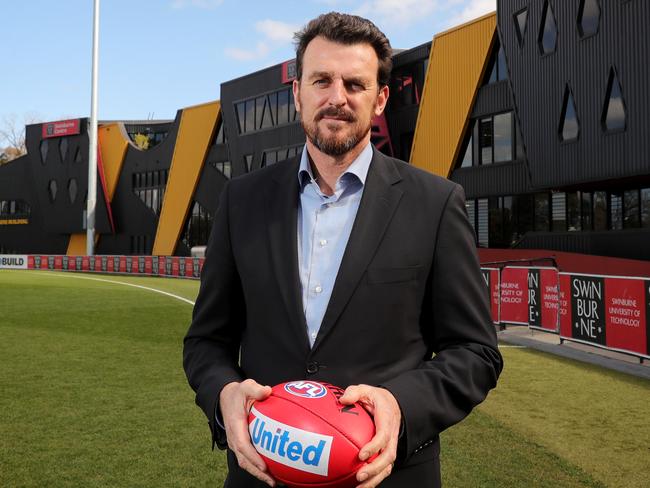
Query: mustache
[[338, 112]]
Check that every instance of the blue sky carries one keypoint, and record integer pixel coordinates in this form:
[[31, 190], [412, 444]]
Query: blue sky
[[157, 56]]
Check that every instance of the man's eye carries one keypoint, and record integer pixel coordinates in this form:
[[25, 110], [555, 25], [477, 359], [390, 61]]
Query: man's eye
[[356, 87], [321, 82]]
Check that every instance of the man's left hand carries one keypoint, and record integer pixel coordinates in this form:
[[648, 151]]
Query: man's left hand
[[383, 406]]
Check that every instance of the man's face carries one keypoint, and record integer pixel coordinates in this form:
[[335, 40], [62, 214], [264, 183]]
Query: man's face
[[338, 94]]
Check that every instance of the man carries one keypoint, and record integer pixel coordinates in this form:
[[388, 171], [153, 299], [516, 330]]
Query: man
[[343, 266]]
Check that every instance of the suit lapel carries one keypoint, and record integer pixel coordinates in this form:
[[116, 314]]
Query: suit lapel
[[378, 204], [281, 218]]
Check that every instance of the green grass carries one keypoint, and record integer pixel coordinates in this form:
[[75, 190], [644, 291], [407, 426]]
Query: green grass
[[92, 393]]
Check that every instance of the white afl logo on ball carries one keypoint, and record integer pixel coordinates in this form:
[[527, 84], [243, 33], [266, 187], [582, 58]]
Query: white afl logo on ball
[[306, 389]]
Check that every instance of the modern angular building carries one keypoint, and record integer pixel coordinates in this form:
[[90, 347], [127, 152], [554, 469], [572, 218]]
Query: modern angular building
[[539, 111]]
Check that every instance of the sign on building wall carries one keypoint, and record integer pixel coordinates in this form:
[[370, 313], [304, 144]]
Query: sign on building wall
[[61, 128]]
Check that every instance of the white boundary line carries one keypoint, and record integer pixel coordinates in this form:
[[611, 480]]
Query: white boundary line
[[155, 290]]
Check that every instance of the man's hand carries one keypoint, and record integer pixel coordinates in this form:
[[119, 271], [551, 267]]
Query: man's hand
[[235, 401], [387, 416]]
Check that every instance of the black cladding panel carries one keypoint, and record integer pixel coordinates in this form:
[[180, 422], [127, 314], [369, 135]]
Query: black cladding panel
[[583, 64]]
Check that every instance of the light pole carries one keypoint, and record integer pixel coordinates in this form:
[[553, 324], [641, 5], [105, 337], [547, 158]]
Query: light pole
[[92, 139]]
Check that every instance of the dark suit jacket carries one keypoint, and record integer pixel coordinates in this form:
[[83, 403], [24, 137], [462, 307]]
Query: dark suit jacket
[[408, 288]]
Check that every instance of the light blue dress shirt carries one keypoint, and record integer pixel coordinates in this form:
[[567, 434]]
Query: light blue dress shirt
[[324, 226]]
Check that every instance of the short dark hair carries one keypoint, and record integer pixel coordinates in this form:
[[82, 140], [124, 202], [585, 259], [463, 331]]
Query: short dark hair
[[346, 29]]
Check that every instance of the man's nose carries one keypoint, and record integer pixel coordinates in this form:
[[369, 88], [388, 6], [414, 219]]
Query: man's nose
[[337, 95]]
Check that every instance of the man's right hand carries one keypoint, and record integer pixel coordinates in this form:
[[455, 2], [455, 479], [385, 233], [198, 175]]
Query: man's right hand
[[235, 401]]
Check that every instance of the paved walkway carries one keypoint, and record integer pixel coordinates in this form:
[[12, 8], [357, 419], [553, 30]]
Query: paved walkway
[[550, 343]]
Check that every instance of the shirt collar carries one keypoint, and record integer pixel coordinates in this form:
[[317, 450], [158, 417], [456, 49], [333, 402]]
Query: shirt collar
[[358, 168]]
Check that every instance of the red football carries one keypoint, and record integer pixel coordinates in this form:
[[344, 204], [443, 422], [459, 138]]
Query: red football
[[307, 438]]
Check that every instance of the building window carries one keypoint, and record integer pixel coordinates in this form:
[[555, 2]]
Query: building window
[[44, 148], [63, 148], [558, 206], [248, 161], [501, 221], [616, 210], [520, 152], [149, 187], [14, 209], [645, 207], [614, 114], [600, 210], [503, 137], [542, 212], [588, 18], [470, 207], [72, 189], [499, 70], [265, 111], [139, 245], [486, 140], [573, 211], [631, 209], [521, 21], [495, 138], [587, 211], [272, 156], [467, 158], [569, 124], [77, 156], [224, 167], [197, 227], [220, 138], [406, 85], [483, 223], [52, 189], [547, 38]]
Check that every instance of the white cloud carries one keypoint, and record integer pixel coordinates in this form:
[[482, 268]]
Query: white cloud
[[276, 31], [399, 12], [207, 4], [274, 34], [260, 51], [473, 9]]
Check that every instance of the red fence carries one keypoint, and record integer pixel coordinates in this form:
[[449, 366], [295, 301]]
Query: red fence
[[612, 312], [168, 266]]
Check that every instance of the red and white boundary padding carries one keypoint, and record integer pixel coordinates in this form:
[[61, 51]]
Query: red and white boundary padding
[[611, 312], [167, 266]]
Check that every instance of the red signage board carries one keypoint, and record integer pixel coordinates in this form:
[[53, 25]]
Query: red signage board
[[61, 128], [606, 311], [491, 278], [514, 295], [625, 313], [543, 298], [289, 71]]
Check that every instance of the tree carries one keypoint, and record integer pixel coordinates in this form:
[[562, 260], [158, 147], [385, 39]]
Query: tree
[[13, 134]]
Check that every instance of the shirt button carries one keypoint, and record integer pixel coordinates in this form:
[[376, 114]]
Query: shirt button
[[312, 368], [318, 289], [323, 242], [313, 335]]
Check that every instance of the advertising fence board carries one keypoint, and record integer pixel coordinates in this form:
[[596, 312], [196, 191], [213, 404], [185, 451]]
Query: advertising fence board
[[167, 266]]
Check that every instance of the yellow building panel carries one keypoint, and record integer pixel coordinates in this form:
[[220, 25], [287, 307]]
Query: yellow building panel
[[457, 62], [195, 132], [113, 142], [77, 245]]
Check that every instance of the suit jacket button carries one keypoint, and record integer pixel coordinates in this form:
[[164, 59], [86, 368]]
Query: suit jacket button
[[312, 368]]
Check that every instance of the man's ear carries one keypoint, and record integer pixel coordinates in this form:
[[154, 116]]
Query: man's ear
[[382, 100], [296, 94]]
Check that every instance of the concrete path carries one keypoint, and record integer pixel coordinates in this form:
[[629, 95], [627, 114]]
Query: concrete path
[[522, 336]]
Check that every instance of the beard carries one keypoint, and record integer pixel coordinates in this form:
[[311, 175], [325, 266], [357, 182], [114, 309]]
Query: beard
[[336, 144]]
